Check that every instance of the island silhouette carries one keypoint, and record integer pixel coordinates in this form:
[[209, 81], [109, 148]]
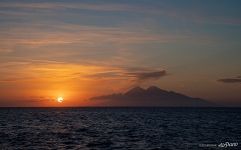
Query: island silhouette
[[152, 96]]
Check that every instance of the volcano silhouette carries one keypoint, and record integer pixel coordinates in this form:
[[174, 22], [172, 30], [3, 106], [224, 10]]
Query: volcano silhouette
[[152, 96]]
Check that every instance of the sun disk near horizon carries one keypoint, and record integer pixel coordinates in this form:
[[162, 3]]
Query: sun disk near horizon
[[60, 99]]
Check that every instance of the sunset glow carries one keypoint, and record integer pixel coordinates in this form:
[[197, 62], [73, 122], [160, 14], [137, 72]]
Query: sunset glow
[[80, 50]]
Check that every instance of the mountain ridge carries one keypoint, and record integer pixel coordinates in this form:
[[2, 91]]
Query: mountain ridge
[[151, 96]]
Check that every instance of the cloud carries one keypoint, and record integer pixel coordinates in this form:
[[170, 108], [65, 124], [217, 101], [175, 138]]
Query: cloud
[[38, 99], [133, 73], [64, 6], [107, 74], [33, 36], [191, 14], [154, 75], [231, 80]]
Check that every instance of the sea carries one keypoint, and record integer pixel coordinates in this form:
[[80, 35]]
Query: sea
[[123, 128]]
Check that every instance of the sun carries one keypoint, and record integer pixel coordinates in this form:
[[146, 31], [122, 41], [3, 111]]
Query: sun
[[60, 99]]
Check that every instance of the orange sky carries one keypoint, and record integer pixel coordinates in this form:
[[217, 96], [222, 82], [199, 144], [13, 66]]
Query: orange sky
[[82, 49], [41, 84]]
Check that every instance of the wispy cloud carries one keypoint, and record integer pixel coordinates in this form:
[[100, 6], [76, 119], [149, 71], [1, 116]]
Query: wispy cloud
[[231, 80], [35, 36], [134, 74], [62, 5], [153, 75], [56, 72], [167, 11]]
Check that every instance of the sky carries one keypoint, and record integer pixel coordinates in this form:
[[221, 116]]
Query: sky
[[80, 49]]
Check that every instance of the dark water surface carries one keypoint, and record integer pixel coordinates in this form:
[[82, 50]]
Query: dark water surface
[[119, 128]]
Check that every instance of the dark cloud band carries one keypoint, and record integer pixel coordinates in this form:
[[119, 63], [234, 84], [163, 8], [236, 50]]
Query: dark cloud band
[[148, 75], [231, 80]]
